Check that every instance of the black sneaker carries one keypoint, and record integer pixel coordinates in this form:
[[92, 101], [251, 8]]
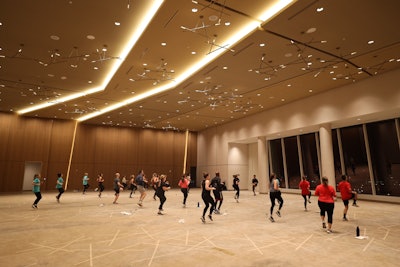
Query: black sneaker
[[345, 219], [160, 213], [278, 213], [355, 205], [34, 206], [271, 219], [323, 225], [210, 217], [203, 219]]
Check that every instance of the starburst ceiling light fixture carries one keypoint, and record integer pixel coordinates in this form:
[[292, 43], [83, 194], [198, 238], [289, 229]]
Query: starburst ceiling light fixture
[[137, 32], [269, 12]]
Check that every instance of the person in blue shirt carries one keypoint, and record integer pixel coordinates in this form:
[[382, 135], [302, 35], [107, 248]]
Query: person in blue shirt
[[85, 182], [36, 190], [59, 186]]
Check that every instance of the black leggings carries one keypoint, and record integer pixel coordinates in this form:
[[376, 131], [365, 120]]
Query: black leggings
[[162, 201], [38, 197], [208, 200], [277, 196], [185, 194], [60, 192], [328, 208], [305, 198], [236, 187]]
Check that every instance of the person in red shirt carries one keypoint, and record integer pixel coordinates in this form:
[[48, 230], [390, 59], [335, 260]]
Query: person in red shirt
[[304, 185], [184, 185], [326, 202], [345, 191]]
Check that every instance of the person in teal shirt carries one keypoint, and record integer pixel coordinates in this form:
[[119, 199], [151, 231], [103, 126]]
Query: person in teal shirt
[[59, 186], [36, 190], [85, 182]]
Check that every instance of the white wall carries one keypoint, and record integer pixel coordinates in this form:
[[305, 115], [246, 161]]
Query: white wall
[[373, 99]]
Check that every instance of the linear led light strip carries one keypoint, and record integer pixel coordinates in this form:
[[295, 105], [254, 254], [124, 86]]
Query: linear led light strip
[[148, 16], [278, 6], [271, 11]]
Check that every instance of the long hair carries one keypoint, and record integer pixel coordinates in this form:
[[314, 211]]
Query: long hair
[[272, 176], [325, 181]]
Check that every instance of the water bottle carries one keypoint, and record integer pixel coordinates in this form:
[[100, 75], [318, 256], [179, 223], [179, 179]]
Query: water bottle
[[357, 231]]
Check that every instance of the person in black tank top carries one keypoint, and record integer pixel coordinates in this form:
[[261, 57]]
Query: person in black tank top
[[206, 196]]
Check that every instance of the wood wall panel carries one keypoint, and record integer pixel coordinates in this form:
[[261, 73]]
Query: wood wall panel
[[97, 149]]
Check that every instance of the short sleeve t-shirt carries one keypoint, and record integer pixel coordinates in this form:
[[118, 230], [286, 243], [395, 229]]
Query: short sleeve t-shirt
[[60, 182], [36, 186]]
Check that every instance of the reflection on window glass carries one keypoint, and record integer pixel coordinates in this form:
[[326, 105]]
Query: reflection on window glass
[[310, 159], [292, 161], [336, 157], [277, 160], [355, 158], [385, 157]]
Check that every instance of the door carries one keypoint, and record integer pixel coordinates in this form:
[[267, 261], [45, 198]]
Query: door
[[31, 168]]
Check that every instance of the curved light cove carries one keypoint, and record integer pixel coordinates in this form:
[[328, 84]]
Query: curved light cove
[[145, 21], [249, 28]]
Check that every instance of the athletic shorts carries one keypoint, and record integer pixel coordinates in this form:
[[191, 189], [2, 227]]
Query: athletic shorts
[[141, 188]]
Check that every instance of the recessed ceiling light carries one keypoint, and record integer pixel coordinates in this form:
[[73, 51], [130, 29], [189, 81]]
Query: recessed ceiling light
[[90, 82], [353, 53], [371, 42], [213, 17], [310, 91], [54, 37], [320, 9], [50, 75], [144, 64], [95, 68], [311, 30], [194, 10], [282, 99], [262, 45], [117, 23], [63, 78], [163, 44], [193, 53], [90, 37], [288, 54], [225, 68], [227, 23]]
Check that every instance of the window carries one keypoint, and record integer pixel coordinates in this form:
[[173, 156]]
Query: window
[[277, 160], [310, 159], [385, 157], [292, 161]]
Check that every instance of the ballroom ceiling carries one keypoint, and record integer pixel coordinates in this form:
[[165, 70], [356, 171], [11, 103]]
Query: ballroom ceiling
[[185, 64]]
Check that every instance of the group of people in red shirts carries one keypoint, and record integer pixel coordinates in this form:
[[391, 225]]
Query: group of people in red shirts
[[326, 198]]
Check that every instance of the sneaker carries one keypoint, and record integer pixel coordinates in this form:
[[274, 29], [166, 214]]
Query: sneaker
[[237, 200], [58, 200], [140, 204], [203, 219], [323, 225], [355, 205], [217, 211], [345, 219], [160, 213], [184, 206], [329, 231], [210, 217], [309, 201], [278, 213], [115, 202], [34, 206], [271, 219]]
